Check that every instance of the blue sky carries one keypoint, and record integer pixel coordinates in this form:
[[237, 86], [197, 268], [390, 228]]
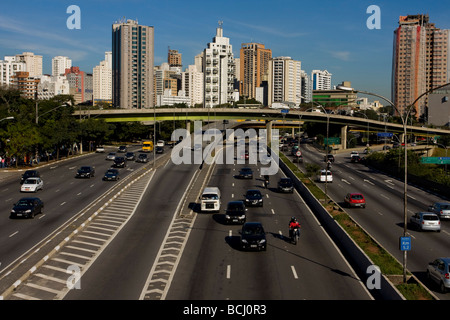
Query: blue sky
[[325, 34]]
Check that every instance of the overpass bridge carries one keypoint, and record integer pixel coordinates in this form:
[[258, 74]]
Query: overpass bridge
[[267, 117]]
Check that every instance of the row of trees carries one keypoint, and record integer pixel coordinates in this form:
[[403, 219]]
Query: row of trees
[[47, 129]]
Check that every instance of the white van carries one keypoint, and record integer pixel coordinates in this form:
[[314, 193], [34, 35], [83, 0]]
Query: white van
[[210, 200]]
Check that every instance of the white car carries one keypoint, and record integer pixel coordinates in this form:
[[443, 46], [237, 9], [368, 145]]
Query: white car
[[111, 156], [32, 185], [325, 177], [100, 149], [160, 143]]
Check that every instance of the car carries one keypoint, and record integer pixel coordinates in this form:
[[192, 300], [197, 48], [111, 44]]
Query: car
[[442, 209], [246, 173], [120, 162], [325, 176], [439, 272], [160, 143], [111, 156], [28, 174], [285, 185], [159, 149], [355, 158], [425, 221], [27, 208], [32, 184], [111, 174], [354, 153], [253, 236], [330, 158], [253, 197], [122, 149], [85, 172], [100, 149], [235, 212], [142, 158], [355, 200], [130, 156]]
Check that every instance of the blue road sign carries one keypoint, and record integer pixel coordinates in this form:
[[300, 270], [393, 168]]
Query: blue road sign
[[284, 110], [385, 134], [405, 243]]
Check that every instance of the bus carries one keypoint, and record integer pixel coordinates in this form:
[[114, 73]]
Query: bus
[[147, 146]]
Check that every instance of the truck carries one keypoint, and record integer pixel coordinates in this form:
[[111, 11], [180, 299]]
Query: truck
[[210, 200], [147, 146]]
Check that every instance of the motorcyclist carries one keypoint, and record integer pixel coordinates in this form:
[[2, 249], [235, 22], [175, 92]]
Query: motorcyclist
[[266, 180], [293, 224]]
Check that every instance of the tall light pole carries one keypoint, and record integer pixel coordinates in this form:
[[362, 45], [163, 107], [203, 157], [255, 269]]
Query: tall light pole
[[404, 118]]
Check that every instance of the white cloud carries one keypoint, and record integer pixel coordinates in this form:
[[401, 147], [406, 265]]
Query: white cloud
[[341, 55]]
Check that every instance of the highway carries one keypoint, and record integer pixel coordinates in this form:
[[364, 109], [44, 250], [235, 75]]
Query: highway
[[383, 215]]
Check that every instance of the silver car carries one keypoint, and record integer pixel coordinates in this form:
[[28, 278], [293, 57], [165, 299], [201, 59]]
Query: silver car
[[442, 209], [439, 272], [426, 221]]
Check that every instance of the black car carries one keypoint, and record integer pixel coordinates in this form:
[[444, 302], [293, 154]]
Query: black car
[[286, 185], [85, 172], [122, 149], [120, 162], [246, 173], [29, 174], [130, 156], [253, 236], [159, 149], [235, 212], [253, 197], [111, 175], [27, 208], [142, 157], [329, 158], [297, 159]]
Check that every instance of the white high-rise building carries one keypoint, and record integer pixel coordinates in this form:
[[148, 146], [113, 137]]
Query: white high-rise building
[[306, 88], [8, 67], [219, 71], [60, 64], [32, 61], [285, 80], [102, 81], [321, 80], [50, 86], [192, 84]]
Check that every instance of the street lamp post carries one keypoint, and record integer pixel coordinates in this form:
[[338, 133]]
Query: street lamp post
[[404, 118]]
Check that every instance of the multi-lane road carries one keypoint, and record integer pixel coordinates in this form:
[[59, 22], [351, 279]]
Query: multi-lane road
[[210, 264]]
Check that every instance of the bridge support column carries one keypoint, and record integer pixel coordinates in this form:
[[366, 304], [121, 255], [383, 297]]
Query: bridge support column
[[188, 127], [269, 131], [344, 137]]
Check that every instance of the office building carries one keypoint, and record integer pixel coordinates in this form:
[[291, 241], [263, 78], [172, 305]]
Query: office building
[[254, 66], [321, 80], [285, 81], [219, 71], [51, 86], [174, 59], [60, 64], [27, 85], [132, 65], [420, 62], [76, 79], [192, 84]]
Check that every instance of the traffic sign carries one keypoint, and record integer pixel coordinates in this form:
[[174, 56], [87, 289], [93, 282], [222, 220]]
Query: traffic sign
[[385, 134], [298, 153], [332, 140], [405, 243], [284, 110], [435, 160]]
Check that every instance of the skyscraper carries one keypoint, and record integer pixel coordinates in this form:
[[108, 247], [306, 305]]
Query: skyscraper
[[254, 66], [132, 65], [102, 80], [285, 80], [32, 61], [420, 61], [219, 71]]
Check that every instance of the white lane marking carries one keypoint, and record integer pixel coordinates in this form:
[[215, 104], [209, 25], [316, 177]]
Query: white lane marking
[[384, 196], [294, 272], [273, 212], [13, 234], [228, 271]]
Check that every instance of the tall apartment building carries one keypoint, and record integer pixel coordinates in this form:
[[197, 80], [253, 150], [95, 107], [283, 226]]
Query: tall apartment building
[[132, 65], [192, 84], [166, 78], [174, 59], [50, 86], [8, 67], [76, 79], [33, 63], [27, 85], [219, 71], [285, 80], [102, 80], [321, 80], [420, 61], [254, 66], [306, 88], [60, 64]]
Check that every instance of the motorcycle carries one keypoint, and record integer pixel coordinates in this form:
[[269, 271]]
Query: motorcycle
[[294, 234]]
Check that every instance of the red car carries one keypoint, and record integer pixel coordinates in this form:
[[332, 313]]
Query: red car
[[355, 200]]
